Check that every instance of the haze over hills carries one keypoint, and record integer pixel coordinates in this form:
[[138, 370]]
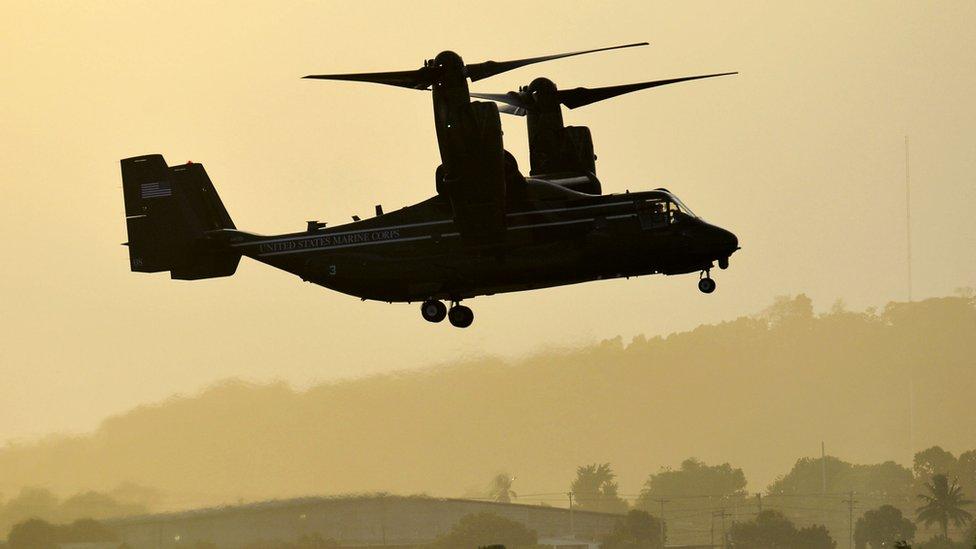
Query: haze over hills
[[802, 155], [758, 392]]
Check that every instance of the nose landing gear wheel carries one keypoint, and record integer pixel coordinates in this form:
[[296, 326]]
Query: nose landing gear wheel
[[706, 285], [433, 310], [460, 316]]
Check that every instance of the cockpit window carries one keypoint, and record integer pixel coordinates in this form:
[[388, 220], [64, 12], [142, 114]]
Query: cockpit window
[[661, 211], [655, 212], [677, 205], [681, 206]]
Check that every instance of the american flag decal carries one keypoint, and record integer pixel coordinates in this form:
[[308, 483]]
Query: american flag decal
[[156, 189]]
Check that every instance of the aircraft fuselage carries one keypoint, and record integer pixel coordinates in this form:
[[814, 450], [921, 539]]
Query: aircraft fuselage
[[417, 253]]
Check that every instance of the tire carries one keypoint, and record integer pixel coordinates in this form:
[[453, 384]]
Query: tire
[[460, 316], [433, 310], [706, 285]]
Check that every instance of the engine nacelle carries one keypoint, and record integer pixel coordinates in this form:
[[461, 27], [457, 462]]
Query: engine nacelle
[[578, 148]]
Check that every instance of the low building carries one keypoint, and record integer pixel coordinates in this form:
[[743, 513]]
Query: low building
[[363, 521]]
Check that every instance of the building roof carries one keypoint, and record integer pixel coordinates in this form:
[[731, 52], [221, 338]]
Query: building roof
[[308, 501]]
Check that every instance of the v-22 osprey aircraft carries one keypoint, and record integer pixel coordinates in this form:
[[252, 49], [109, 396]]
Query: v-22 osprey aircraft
[[489, 229]]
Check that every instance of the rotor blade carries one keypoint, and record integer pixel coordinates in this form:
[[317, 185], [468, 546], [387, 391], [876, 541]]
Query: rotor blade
[[478, 71], [509, 109], [578, 97], [508, 103], [514, 99], [419, 79]]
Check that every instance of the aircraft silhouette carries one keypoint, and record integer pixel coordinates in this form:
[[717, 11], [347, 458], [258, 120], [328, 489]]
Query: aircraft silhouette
[[488, 230]]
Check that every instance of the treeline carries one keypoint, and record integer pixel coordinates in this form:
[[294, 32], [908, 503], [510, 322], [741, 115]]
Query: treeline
[[45, 506], [810, 506], [40, 534], [882, 506]]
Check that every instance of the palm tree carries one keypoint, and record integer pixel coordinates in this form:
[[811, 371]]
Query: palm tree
[[500, 488], [943, 503]]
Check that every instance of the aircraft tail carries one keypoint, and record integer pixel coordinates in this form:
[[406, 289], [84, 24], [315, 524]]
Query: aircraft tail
[[169, 212]]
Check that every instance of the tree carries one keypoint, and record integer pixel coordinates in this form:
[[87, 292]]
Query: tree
[[933, 461], [966, 471], [594, 489], [814, 536], [787, 311], [690, 487], [943, 504], [33, 534], [772, 530], [40, 534], [97, 505], [694, 478], [29, 503], [500, 488], [807, 476], [86, 530], [768, 529], [638, 529], [484, 529], [883, 527], [42, 504]]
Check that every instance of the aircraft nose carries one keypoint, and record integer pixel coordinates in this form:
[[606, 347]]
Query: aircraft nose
[[727, 240], [721, 243]]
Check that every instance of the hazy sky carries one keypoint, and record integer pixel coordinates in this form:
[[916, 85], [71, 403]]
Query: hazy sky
[[802, 155]]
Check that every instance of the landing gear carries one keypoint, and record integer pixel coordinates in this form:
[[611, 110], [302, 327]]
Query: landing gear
[[706, 284], [460, 316], [433, 310]]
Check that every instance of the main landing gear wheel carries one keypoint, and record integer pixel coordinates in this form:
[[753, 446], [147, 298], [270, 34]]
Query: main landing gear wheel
[[433, 310], [706, 285], [460, 316]]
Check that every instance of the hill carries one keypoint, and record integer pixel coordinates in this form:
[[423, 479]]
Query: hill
[[759, 392]]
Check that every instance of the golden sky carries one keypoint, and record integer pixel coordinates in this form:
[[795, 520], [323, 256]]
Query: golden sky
[[802, 155]]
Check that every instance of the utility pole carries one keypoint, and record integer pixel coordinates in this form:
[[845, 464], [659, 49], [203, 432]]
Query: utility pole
[[735, 511], [724, 536], [908, 219], [850, 514], [823, 469], [908, 245], [911, 415], [823, 483], [662, 502], [572, 529], [711, 536]]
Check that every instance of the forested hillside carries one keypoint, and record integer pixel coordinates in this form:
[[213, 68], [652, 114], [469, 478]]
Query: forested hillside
[[758, 392]]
